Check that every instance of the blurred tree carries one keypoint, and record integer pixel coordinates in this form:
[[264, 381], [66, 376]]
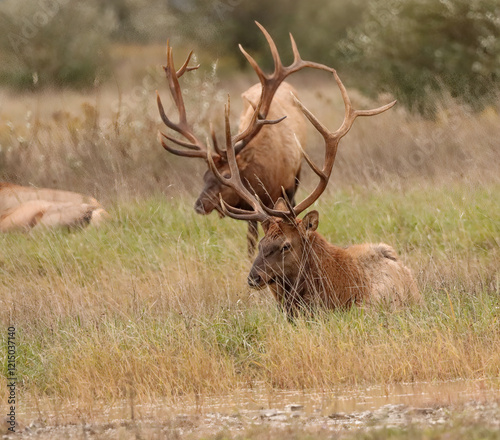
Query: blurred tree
[[320, 27], [53, 42], [418, 49], [219, 26], [140, 21]]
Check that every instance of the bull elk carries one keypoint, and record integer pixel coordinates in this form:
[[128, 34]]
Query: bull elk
[[302, 269], [24, 208], [267, 154]]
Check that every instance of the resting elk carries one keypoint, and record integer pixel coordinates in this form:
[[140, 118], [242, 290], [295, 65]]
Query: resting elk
[[24, 208], [267, 153], [301, 268]]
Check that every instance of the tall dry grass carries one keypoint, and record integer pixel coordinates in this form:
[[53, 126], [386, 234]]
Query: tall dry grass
[[156, 303]]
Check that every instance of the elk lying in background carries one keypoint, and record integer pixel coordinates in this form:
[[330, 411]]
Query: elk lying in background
[[300, 267], [24, 208], [267, 154]]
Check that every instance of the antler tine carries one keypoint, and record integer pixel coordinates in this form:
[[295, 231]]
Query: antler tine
[[185, 67], [256, 121], [234, 181], [271, 212], [175, 88], [287, 202], [253, 63], [278, 65], [236, 213], [215, 142], [350, 113], [332, 140], [187, 153], [287, 215], [295, 50], [196, 147]]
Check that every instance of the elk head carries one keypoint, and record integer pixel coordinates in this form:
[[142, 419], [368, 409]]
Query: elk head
[[213, 190], [282, 250]]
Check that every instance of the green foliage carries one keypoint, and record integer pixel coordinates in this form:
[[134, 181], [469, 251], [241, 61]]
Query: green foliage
[[414, 49], [56, 43], [418, 49], [220, 26]]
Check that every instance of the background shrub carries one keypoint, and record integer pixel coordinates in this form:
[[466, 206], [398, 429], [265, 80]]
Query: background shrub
[[418, 49], [56, 43]]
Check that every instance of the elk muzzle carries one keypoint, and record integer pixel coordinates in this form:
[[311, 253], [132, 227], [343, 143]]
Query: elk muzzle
[[257, 280], [204, 205]]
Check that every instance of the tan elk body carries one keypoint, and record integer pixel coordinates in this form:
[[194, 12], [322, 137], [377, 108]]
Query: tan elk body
[[272, 159], [24, 208]]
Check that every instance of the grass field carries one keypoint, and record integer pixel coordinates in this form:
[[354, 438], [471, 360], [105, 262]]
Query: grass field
[[154, 305], [157, 300]]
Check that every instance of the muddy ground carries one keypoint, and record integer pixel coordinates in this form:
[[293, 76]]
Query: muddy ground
[[277, 423]]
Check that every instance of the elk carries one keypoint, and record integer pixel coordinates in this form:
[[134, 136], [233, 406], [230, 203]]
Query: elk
[[25, 208], [267, 153], [302, 269]]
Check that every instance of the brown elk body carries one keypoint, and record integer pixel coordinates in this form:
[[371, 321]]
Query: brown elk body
[[24, 208], [303, 270], [267, 153]]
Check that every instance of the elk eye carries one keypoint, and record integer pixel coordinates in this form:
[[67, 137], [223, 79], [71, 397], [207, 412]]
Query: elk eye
[[226, 175], [286, 247]]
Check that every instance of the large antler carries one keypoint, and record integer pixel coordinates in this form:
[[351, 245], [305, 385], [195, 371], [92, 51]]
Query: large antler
[[331, 139], [194, 147], [269, 82]]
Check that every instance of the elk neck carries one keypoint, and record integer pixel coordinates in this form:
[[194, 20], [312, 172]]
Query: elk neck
[[326, 275]]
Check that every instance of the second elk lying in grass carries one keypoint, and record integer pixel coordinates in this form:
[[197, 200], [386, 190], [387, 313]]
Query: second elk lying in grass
[[303, 270], [24, 208]]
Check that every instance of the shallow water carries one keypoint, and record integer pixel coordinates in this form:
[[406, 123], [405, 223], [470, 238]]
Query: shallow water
[[424, 404], [242, 401], [359, 399]]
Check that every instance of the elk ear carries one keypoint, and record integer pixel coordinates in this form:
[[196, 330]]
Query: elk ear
[[242, 162], [311, 221], [265, 225], [280, 205]]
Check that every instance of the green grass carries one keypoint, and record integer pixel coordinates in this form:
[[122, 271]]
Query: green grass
[[156, 301]]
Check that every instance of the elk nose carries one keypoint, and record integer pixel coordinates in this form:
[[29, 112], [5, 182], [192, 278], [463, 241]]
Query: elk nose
[[254, 280], [199, 208]]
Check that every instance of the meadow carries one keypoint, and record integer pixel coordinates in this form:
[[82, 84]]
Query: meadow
[[155, 305]]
